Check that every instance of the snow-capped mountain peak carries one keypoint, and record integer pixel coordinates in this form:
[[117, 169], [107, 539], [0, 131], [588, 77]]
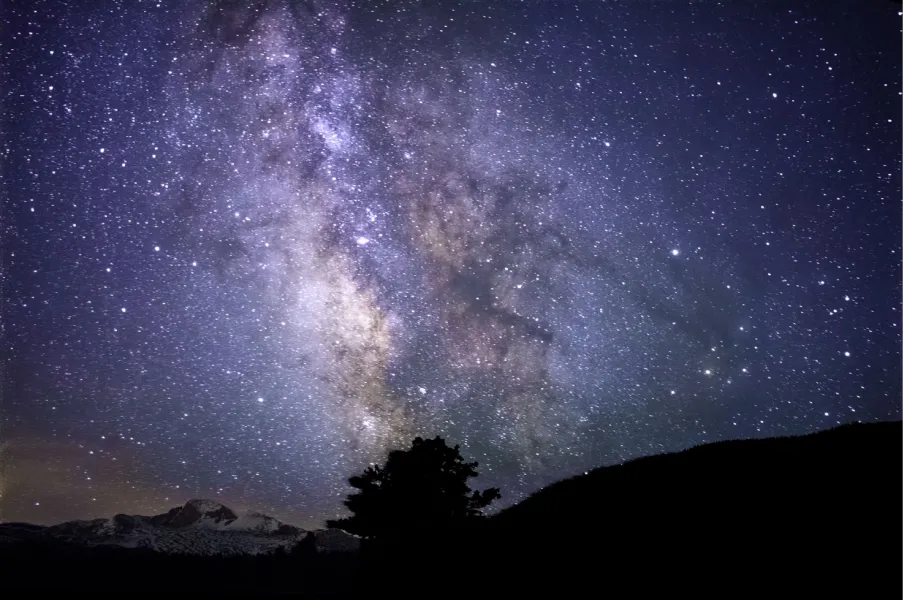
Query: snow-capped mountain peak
[[199, 527], [197, 513]]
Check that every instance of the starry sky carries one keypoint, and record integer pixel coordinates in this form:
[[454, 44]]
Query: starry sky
[[249, 247]]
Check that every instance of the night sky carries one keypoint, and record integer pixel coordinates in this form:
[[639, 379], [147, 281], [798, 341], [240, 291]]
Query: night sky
[[249, 247]]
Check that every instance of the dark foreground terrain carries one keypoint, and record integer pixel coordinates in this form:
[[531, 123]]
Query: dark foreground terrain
[[819, 514]]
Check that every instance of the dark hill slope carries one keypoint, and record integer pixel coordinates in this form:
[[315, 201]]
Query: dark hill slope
[[770, 475], [821, 511]]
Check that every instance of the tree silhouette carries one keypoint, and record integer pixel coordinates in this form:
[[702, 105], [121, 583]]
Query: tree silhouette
[[423, 488]]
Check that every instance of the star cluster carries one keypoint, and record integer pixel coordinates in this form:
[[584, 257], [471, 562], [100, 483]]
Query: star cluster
[[251, 247]]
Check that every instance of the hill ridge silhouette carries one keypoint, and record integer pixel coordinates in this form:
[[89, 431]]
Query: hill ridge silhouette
[[888, 428], [818, 513]]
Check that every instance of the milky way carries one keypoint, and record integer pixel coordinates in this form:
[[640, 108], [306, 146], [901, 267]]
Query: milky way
[[251, 247]]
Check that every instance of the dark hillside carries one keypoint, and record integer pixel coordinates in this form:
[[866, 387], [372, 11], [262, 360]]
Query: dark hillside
[[821, 511], [772, 474], [802, 516]]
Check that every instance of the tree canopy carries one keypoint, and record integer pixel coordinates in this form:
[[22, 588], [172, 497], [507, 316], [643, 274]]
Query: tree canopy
[[422, 488]]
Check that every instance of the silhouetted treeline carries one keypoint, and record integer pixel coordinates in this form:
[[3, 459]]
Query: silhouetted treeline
[[805, 516], [133, 572]]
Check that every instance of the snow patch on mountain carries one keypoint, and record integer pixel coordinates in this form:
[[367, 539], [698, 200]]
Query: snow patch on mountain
[[203, 527], [206, 507]]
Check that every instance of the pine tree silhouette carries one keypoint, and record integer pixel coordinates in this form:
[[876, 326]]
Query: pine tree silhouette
[[420, 489]]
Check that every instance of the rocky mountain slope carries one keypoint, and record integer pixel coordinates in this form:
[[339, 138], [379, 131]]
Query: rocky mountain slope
[[200, 527]]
